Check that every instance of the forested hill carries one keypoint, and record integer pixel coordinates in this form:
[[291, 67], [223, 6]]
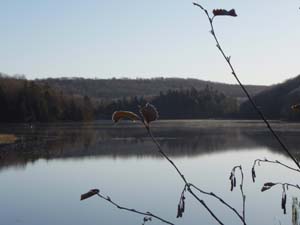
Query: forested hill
[[119, 88], [276, 101], [23, 100], [50, 100]]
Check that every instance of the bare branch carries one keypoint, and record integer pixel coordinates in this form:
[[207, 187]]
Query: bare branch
[[221, 200], [149, 214], [232, 176], [258, 161], [228, 61], [285, 187]]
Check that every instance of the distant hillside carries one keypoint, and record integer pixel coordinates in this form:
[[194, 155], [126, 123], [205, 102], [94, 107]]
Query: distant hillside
[[118, 88], [276, 101]]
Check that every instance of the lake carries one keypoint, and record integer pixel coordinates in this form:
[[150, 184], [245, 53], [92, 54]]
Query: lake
[[43, 175]]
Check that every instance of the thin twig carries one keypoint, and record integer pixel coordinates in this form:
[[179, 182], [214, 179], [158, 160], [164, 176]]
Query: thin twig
[[258, 161], [241, 187], [287, 185], [108, 199], [221, 200], [260, 113]]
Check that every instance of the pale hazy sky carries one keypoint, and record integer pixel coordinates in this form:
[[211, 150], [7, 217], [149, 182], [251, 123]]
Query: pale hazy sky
[[149, 38]]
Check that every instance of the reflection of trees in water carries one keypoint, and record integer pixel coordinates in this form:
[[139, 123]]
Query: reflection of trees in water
[[130, 140], [263, 138]]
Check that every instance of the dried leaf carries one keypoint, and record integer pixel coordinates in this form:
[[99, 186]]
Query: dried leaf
[[149, 113], [267, 186], [224, 12], [264, 188], [89, 194], [118, 115]]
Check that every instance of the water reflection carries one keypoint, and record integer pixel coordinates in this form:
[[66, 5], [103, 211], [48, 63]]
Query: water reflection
[[178, 138], [66, 160]]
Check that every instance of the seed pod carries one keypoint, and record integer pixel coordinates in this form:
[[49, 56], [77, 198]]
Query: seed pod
[[179, 214], [253, 174], [283, 202], [231, 176], [231, 183]]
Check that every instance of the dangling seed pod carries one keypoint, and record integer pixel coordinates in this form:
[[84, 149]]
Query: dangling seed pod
[[283, 200], [232, 180], [181, 205], [253, 174]]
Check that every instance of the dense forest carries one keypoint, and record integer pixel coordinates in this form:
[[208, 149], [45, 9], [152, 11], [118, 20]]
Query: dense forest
[[119, 88], [26, 101], [276, 101], [179, 104], [49, 100], [22, 100]]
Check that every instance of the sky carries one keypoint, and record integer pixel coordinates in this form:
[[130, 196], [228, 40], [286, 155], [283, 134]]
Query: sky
[[144, 39]]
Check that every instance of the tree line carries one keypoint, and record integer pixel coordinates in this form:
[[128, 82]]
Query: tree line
[[23, 100], [276, 101], [26, 101], [124, 87], [179, 104]]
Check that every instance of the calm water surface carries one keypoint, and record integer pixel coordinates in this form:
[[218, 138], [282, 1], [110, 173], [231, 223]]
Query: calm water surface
[[44, 174]]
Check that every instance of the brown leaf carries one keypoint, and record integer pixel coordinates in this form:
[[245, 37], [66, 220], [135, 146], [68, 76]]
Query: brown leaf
[[118, 115], [89, 194], [224, 12]]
